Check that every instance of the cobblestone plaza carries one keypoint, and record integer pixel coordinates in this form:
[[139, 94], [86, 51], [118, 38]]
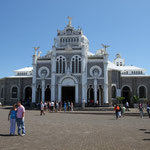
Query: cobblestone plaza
[[68, 131]]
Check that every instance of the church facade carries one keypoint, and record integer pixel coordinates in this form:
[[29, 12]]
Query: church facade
[[70, 72]]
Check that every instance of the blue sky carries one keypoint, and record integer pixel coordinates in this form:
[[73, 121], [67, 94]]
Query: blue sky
[[122, 24]]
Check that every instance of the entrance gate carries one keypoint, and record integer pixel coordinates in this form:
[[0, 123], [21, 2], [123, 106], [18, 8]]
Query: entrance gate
[[68, 94]]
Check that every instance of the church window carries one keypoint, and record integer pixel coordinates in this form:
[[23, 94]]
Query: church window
[[113, 92], [14, 92], [76, 64], [60, 64], [120, 63], [117, 63], [73, 65], [142, 92]]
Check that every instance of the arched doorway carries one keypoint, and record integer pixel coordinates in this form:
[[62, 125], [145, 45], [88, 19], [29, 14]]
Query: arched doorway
[[68, 89], [113, 92], [126, 93], [90, 96], [28, 94], [48, 94], [100, 95]]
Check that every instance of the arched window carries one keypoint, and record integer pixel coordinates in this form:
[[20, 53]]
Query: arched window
[[76, 64], [60, 64], [14, 92], [113, 92], [142, 92], [2, 93]]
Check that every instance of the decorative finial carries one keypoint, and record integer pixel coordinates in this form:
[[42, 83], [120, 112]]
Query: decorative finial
[[70, 21], [105, 46], [35, 49]]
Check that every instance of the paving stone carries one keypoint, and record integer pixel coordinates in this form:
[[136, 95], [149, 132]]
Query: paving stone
[[67, 131]]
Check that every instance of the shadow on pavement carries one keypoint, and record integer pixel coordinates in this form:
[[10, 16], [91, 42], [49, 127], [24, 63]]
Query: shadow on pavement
[[5, 135], [146, 139], [142, 129]]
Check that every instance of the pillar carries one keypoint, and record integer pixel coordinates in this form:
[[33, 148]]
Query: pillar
[[84, 74], [43, 90], [105, 83], [34, 60], [95, 90], [59, 92], [53, 70]]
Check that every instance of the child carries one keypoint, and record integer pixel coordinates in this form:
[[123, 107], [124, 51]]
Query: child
[[42, 109], [12, 117]]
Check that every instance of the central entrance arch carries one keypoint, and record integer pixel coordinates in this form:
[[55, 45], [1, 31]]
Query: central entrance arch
[[126, 93], [68, 94], [68, 89]]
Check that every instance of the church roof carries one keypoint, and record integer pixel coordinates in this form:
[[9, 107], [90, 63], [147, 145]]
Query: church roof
[[130, 68], [25, 69], [112, 66], [90, 53]]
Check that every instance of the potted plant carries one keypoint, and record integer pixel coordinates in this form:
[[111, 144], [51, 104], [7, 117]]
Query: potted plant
[[120, 99], [135, 101]]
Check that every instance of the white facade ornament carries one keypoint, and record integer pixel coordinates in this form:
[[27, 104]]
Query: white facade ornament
[[95, 71], [43, 72]]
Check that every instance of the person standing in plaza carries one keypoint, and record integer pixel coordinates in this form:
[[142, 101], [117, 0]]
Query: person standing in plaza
[[141, 109], [65, 106], [119, 111], [56, 106], [45, 106], [68, 105], [127, 106], [12, 117], [20, 118], [52, 106], [117, 108], [42, 109], [71, 106], [60, 106], [148, 109], [123, 111]]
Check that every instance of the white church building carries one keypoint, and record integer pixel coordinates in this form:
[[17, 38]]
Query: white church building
[[70, 72]]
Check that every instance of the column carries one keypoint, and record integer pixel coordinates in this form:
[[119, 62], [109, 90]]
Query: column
[[95, 90], [34, 78], [76, 93], [43, 90], [105, 83], [33, 93], [59, 92], [53, 70], [84, 74]]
